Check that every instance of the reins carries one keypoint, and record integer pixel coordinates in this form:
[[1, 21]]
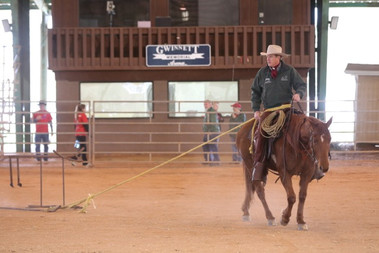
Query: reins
[[292, 109]]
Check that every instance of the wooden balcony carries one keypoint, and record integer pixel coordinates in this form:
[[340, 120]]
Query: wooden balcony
[[79, 49]]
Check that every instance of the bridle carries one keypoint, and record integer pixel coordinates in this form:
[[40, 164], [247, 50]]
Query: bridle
[[310, 152]]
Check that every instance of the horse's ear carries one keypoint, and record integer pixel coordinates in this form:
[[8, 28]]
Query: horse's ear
[[329, 122]]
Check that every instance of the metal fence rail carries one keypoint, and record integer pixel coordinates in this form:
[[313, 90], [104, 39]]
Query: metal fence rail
[[158, 136]]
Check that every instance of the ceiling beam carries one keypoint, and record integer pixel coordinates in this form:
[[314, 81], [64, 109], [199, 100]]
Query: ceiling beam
[[34, 4], [353, 3]]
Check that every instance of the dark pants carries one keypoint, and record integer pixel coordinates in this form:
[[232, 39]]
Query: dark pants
[[42, 139], [211, 149], [83, 148]]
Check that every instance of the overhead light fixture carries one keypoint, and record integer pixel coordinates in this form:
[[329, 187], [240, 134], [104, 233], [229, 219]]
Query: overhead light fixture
[[333, 22], [111, 8], [7, 27], [182, 8], [184, 12]]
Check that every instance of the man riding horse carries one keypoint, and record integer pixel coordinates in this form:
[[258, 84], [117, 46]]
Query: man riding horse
[[273, 86]]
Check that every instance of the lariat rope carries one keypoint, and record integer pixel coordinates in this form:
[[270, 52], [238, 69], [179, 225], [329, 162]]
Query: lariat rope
[[90, 197], [271, 130]]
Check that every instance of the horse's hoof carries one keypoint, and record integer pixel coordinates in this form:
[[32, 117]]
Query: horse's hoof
[[302, 227], [271, 222], [283, 223], [246, 218]]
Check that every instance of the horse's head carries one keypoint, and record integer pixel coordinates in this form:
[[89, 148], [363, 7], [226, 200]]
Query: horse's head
[[319, 143]]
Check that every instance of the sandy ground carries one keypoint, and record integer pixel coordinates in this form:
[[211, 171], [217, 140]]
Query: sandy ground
[[184, 208]]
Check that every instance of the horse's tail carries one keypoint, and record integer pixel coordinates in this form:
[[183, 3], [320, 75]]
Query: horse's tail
[[243, 142], [249, 190], [244, 139]]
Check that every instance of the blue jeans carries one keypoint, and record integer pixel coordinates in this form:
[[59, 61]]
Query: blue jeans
[[83, 146], [44, 139], [211, 149]]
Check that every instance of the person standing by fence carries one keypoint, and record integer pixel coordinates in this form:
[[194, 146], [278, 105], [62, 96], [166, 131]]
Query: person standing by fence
[[211, 129], [81, 131], [236, 119], [42, 119]]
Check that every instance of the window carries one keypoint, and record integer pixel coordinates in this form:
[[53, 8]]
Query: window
[[119, 100], [204, 12], [187, 98], [94, 13]]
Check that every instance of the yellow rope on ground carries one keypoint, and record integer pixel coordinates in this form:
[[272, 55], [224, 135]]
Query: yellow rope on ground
[[92, 196]]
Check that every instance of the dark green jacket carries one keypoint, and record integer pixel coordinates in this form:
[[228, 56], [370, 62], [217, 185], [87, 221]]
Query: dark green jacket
[[278, 91], [235, 122], [211, 123]]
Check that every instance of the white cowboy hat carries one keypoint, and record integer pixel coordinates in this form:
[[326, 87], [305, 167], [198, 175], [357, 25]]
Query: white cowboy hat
[[275, 49]]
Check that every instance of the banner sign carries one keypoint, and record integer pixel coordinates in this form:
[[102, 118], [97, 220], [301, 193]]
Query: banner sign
[[178, 55]]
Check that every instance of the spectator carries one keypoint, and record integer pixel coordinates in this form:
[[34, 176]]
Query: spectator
[[236, 119], [211, 129], [81, 131], [220, 118], [42, 118]]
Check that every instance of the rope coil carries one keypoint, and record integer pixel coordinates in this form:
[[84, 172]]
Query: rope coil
[[274, 109], [270, 129]]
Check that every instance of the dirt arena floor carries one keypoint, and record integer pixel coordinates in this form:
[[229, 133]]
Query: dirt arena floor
[[184, 208]]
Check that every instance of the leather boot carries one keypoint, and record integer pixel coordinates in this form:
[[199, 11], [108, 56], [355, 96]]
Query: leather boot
[[259, 172]]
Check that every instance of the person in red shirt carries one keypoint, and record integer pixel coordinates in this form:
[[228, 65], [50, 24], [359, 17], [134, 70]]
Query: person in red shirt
[[42, 118], [81, 130]]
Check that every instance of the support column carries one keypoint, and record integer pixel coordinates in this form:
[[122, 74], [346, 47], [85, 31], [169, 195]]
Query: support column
[[322, 55], [21, 45], [43, 87]]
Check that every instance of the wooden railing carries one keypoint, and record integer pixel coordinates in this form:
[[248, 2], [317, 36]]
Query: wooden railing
[[124, 48]]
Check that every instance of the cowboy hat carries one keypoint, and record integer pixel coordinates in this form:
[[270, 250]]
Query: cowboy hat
[[275, 49]]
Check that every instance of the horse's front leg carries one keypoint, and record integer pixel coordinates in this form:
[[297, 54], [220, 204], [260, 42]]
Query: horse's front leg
[[260, 190], [304, 181], [291, 199]]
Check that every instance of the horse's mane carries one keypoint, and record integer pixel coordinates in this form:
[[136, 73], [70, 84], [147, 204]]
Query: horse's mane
[[293, 133], [300, 128], [319, 125]]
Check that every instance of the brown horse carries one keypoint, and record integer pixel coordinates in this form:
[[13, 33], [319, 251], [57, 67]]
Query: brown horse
[[302, 148]]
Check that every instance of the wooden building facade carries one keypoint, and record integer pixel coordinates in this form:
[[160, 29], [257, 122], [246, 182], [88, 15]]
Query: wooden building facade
[[80, 53]]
